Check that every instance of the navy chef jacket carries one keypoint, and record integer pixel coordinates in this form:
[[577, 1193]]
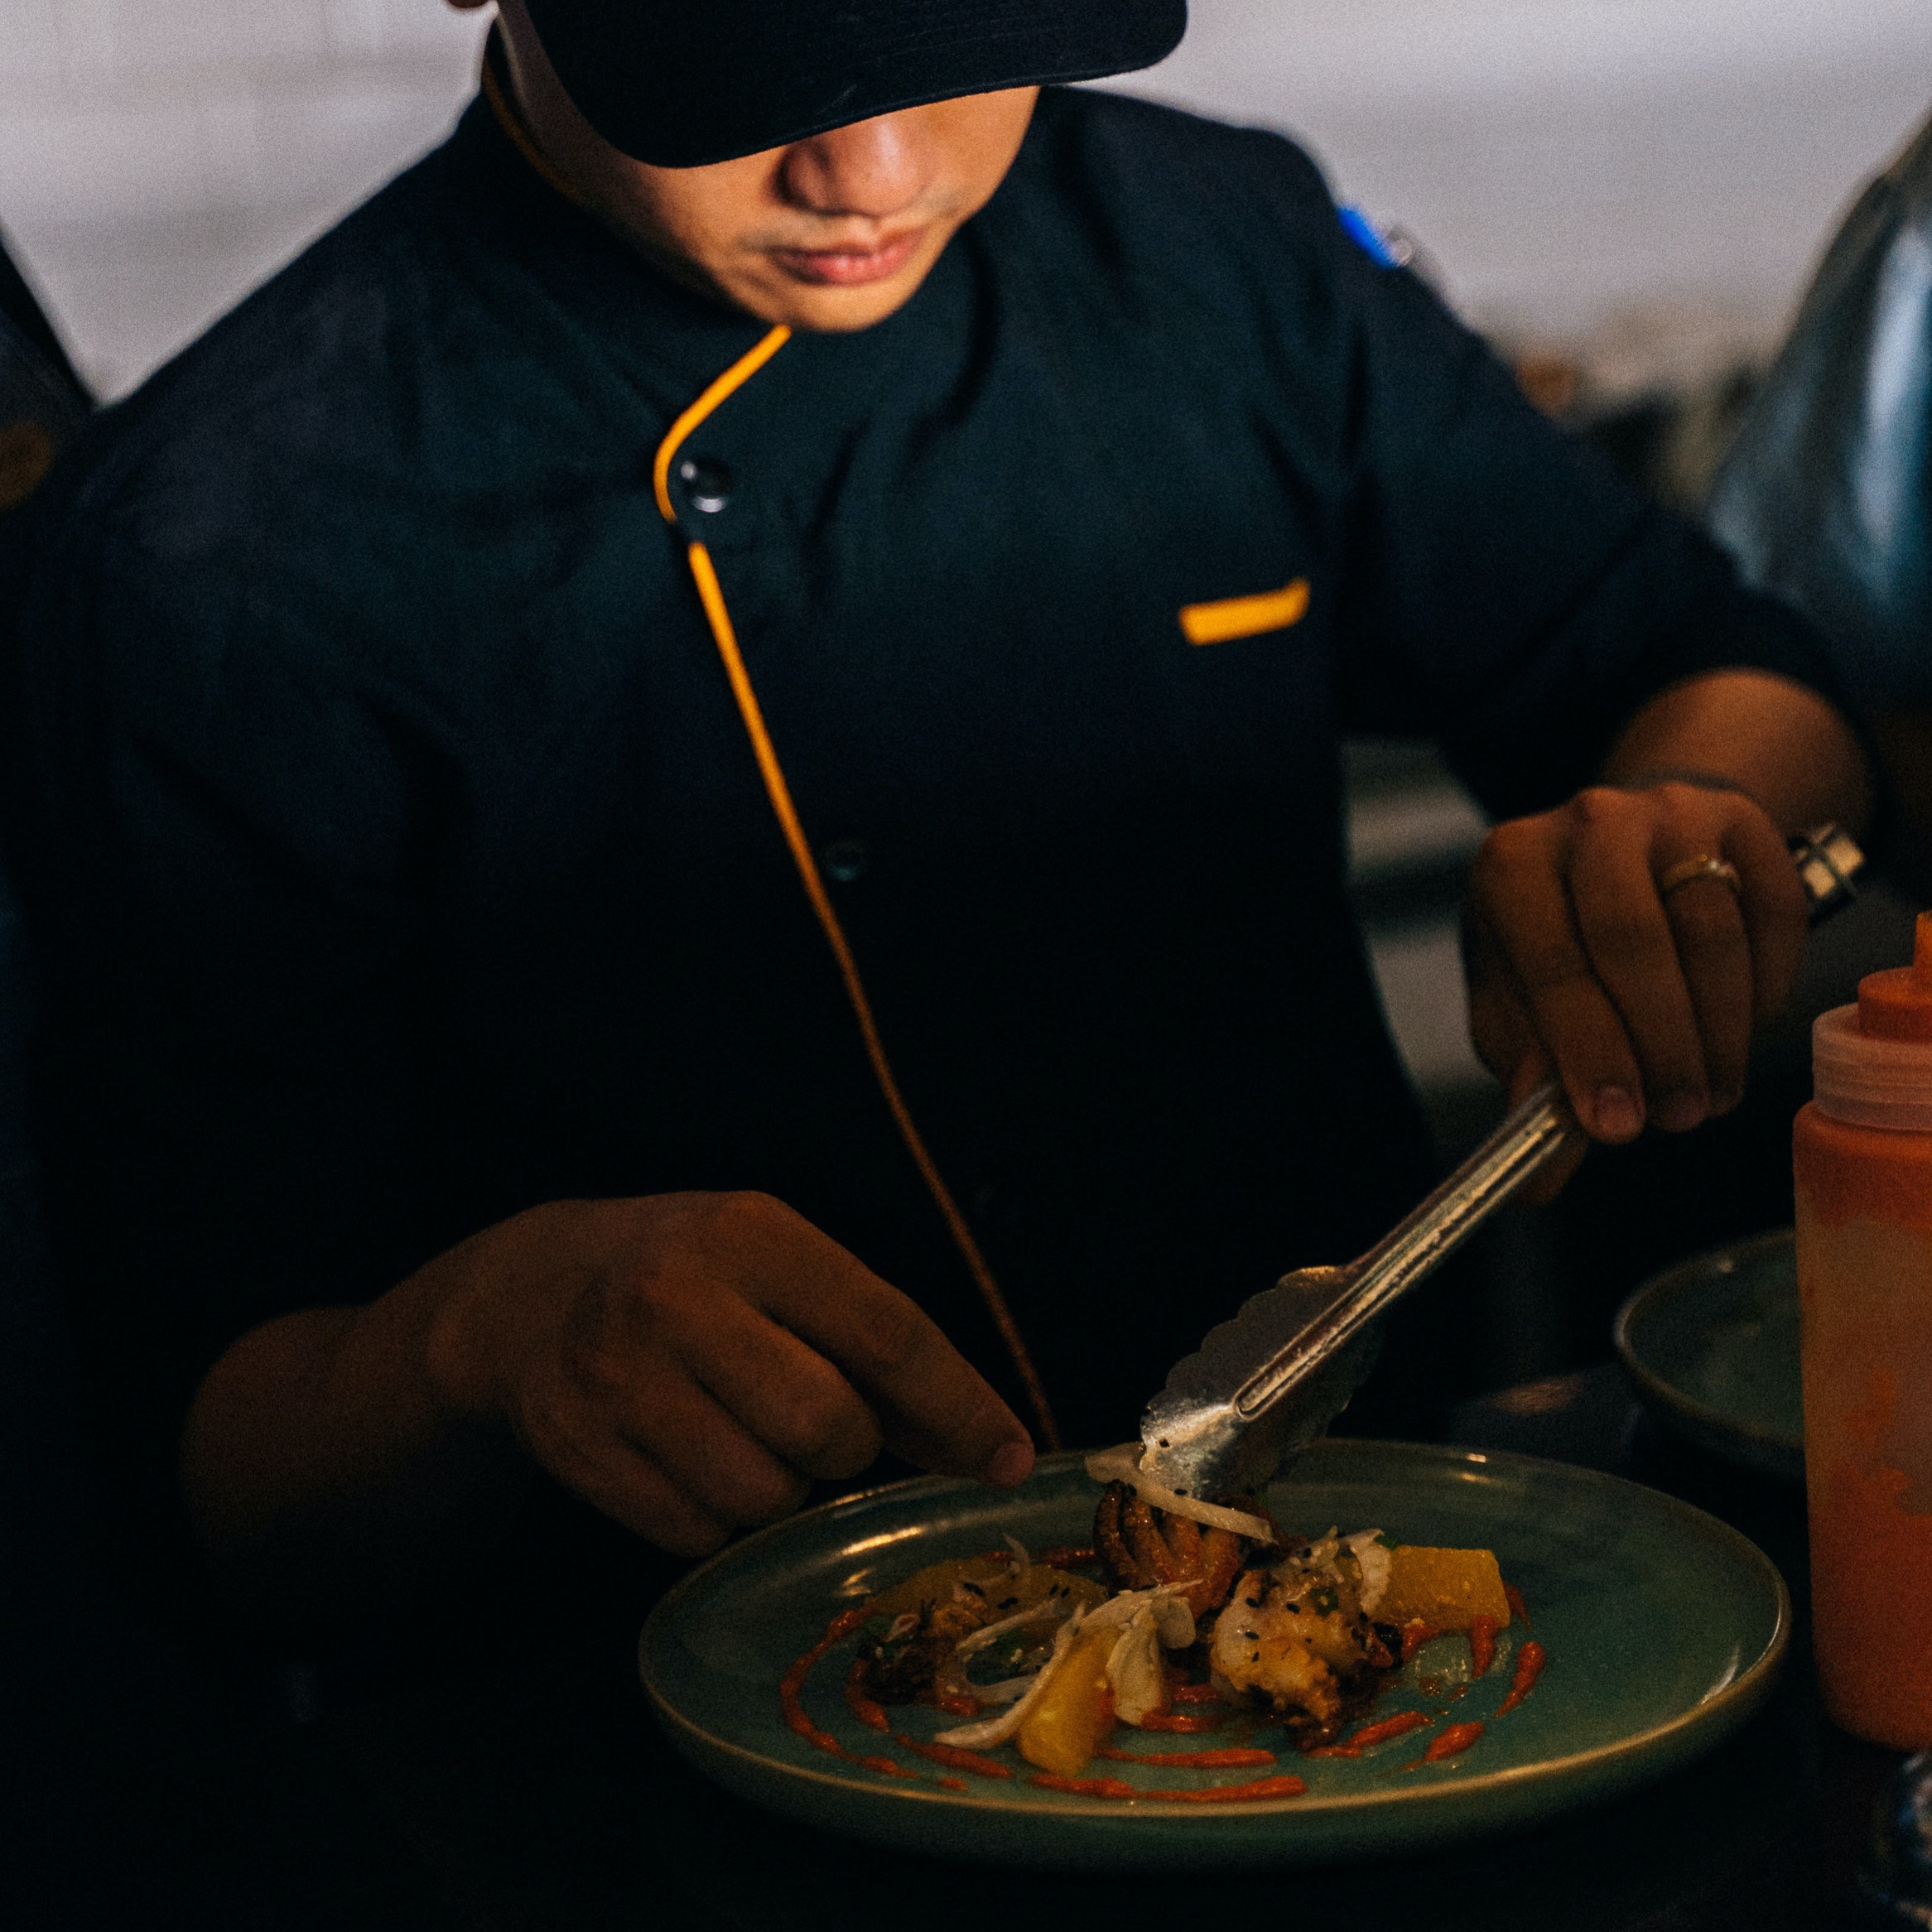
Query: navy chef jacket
[[398, 860]]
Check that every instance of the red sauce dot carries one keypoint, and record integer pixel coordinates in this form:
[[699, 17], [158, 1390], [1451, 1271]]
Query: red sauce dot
[[1283, 1787], [1481, 1644], [1530, 1662], [1458, 1738]]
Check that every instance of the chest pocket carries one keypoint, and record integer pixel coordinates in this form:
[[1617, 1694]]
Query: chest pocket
[[1229, 617]]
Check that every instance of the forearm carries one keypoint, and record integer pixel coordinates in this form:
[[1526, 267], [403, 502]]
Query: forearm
[[328, 1472], [1777, 741]]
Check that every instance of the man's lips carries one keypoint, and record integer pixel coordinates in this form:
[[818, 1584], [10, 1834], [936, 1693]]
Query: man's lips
[[848, 267]]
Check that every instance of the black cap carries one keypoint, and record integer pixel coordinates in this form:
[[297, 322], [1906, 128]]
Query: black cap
[[682, 83]]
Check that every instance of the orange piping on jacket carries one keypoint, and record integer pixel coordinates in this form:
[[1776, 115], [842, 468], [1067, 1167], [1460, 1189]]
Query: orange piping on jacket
[[711, 596]]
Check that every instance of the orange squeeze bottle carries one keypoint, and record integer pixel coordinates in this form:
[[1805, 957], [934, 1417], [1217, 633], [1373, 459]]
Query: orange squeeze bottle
[[1862, 1160]]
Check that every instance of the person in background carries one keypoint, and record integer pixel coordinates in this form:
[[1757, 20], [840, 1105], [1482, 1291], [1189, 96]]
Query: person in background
[[1826, 496], [680, 798]]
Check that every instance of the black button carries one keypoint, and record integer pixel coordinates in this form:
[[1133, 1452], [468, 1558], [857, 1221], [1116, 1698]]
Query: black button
[[847, 860], [708, 482]]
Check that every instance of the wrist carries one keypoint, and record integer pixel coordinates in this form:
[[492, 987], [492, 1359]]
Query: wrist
[[459, 1324]]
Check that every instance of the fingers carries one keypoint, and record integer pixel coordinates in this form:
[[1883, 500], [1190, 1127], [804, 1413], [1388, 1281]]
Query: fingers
[[710, 1354], [1776, 912], [616, 1416], [1708, 1051], [1643, 1001], [784, 1393], [1535, 964], [617, 1478], [1678, 978], [933, 1406]]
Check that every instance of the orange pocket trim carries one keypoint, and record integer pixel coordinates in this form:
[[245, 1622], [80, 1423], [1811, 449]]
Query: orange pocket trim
[[1229, 617]]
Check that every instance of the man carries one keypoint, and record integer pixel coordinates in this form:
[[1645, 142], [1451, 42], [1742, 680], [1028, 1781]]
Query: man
[[682, 796]]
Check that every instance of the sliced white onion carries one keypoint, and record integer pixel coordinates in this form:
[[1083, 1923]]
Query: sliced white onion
[[1121, 1608], [1039, 1613], [1123, 1465], [1134, 1668], [1002, 1692], [1174, 1617], [1373, 1555], [992, 1731], [1167, 1601]]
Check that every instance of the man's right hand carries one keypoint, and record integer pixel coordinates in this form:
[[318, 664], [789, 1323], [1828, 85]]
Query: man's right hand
[[688, 1363]]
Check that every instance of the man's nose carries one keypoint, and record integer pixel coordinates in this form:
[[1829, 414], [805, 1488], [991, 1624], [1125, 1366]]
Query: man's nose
[[874, 168]]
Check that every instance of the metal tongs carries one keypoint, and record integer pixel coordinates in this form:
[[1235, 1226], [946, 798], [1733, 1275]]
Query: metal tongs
[[1265, 1384]]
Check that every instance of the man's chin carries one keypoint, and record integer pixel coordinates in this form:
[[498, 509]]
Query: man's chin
[[826, 307]]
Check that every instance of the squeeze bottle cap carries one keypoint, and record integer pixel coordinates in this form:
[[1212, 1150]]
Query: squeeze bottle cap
[[1872, 1063]]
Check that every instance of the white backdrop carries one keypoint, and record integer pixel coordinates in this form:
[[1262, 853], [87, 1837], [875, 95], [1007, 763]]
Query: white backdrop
[[1663, 168]]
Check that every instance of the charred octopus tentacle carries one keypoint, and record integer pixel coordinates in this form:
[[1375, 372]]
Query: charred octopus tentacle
[[1142, 1546]]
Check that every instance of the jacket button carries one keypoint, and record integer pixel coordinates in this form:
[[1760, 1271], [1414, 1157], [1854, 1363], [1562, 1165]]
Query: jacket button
[[708, 482], [847, 860]]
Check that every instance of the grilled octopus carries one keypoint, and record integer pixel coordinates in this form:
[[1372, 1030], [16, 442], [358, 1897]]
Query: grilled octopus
[[1142, 1546], [1294, 1640], [1281, 1623]]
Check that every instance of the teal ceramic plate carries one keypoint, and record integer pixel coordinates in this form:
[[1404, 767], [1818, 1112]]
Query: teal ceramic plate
[[1664, 1630], [1713, 1346]]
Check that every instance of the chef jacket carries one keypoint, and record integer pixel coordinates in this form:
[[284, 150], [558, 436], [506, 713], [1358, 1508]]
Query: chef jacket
[[401, 852]]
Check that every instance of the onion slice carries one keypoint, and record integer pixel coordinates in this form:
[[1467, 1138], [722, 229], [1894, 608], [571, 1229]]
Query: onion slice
[[1166, 1601], [1135, 1669], [1123, 1465], [976, 1640], [992, 1731], [1372, 1554], [1002, 1692]]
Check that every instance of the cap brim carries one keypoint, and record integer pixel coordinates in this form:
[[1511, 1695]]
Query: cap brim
[[686, 83]]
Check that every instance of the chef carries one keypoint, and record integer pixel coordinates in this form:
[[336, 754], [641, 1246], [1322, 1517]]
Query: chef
[[680, 797]]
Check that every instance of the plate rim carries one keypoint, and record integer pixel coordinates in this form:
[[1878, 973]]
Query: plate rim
[[1750, 1685], [1662, 1287]]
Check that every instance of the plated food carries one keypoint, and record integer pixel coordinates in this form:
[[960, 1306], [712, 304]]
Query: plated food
[[1664, 1629], [1201, 1618]]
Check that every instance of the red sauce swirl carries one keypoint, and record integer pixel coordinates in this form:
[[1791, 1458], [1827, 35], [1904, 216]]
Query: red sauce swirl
[[1282, 1787], [1453, 1742], [1357, 1742], [1415, 1633], [1083, 1787], [1481, 1644], [792, 1685], [1237, 1758], [957, 1759], [868, 1711], [1530, 1662]]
